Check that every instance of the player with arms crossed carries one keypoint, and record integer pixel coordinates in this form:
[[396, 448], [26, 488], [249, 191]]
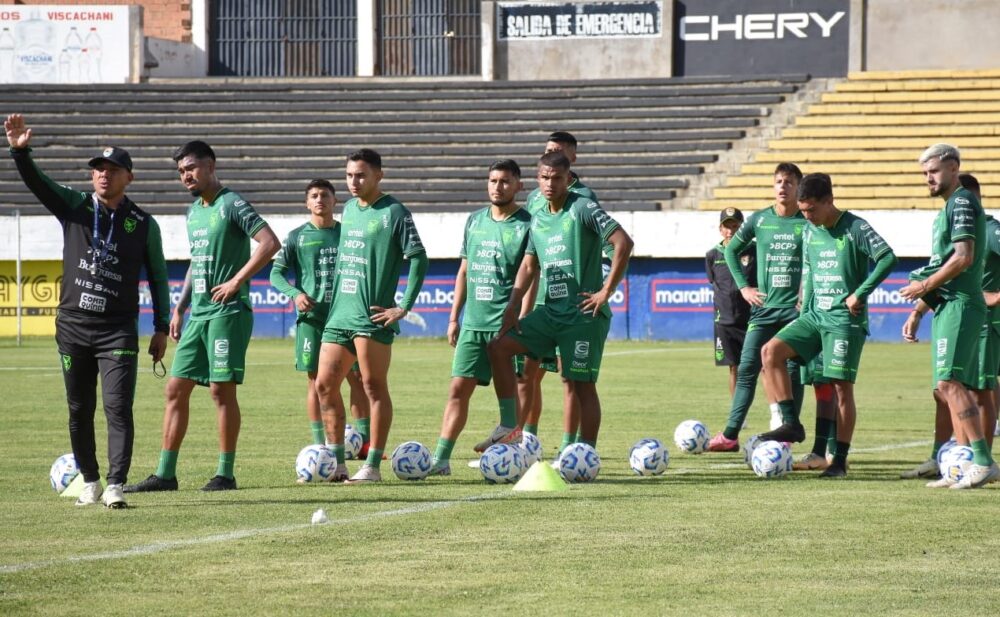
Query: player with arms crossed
[[377, 234], [212, 349], [309, 256], [837, 249], [989, 349], [955, 275], [778, 232], [565, 244], [492, 249], [107, 241]]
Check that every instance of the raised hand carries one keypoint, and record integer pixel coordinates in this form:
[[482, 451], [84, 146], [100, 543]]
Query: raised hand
[[18, 134]]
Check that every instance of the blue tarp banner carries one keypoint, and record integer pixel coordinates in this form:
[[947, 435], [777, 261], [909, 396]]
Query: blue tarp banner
[[661, 299]]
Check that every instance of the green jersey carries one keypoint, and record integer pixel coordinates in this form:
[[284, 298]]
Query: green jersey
[[536, 201], [568, 245], [309, 254], [374, 239], [219, 234], [836, 263], [493, 251], [991, 267], [779, 255], [962, 218]]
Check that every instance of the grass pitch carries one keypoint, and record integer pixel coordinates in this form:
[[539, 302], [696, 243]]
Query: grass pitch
[[706, 538]]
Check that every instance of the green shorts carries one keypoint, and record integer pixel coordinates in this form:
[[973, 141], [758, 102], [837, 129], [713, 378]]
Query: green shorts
[[214, 350], [345, 338], [989, 356], [308, 339], [471, 359], [836, 349], [580, 345], [811, 373], [955, 333]]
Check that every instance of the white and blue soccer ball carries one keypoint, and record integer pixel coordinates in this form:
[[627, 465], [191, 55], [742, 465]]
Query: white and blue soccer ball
[[955, 462], [502, 463], [411, 460], [352, 442], [62, 472], [315, 463], [771, 459], [649, 457], [948, 445], [691, 436], [751, 444], [579, 462], [531, 449]]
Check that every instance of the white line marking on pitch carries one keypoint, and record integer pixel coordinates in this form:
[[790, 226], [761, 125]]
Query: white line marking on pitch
[[159, 547], [660, 350]]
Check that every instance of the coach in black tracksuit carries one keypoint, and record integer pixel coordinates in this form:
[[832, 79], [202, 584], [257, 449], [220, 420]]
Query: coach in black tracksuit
[[96, 324]]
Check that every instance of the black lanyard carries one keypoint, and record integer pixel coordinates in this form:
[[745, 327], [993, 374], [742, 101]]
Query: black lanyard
[[99, 249]]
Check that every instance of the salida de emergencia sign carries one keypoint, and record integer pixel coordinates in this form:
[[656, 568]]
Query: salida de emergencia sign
[[532, 21], [61, 44]]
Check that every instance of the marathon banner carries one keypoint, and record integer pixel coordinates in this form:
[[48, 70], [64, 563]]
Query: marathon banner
[[763, 37], [527, 21], [660, 299]]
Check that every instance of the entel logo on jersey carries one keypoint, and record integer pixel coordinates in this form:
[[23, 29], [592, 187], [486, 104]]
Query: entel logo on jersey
[[757, 26]]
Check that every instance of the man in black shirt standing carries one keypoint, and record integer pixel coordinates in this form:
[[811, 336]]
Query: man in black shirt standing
[[107, 240], [732, 312]]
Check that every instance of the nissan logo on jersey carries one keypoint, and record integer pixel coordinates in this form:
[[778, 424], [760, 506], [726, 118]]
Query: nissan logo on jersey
[[734, 37]]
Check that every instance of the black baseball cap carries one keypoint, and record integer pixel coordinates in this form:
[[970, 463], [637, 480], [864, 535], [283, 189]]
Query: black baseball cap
[[115, 156], [730, 214]]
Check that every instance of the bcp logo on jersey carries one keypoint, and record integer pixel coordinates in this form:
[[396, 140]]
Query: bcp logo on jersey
[[221, 347]]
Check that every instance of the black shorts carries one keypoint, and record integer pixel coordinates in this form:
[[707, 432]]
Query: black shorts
[[729, 344]]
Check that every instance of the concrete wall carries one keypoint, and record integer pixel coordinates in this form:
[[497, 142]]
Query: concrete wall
[[582, 58], [931, 34]]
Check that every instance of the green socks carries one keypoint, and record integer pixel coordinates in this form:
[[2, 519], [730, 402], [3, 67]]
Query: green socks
[[592, 444], [226, 462], [567, 439], [443, 450], [788, 415], [364, 426], [374, 459], [319, 435], [981, 453], [508, 412], [531, 429], [824, 427], [167, 469], [338, 451], [840, 454]]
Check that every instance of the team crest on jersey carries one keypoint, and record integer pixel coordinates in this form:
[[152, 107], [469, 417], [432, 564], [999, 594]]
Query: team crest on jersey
[[841, 243], [129, 225], [372, 227]]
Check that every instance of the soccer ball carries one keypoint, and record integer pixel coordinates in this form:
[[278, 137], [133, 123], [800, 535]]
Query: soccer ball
[[691, 436], [955, 462], [649, 457], [948, 445], [411, 461], [771, 459], [751, 444], [531, 449], [352, 442], [315, 463], [579, 462], [62, 472], [502, 463]]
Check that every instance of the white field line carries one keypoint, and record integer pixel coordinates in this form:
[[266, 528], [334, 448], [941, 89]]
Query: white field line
[[239, 534], [885, 448]]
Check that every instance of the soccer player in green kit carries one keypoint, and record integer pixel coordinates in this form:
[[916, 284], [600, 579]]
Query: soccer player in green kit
[[837, 248], [492, 249], [212, 349], [988, 355], [778, 232], [534, 370], [955, 276], [309, 255], [377, 234], [565, 245]]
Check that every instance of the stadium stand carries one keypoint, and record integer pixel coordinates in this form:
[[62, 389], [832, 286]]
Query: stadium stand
[[868, 132], [641, 140]]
